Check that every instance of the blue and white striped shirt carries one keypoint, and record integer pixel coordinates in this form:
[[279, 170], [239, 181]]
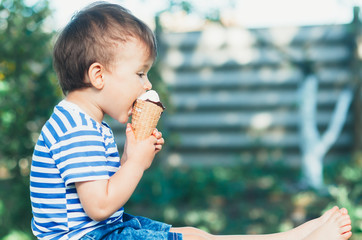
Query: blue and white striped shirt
[[72, 147]]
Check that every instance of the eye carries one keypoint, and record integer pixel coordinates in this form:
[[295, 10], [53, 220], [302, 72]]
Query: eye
[[141, 75]]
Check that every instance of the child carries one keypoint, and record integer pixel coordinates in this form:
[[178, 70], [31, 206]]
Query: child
[[79, 184]]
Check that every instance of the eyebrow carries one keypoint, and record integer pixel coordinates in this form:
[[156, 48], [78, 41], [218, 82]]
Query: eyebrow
[[146, 66]]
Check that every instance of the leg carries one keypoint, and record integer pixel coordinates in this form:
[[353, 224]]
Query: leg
[[190, 233], [311, 230]]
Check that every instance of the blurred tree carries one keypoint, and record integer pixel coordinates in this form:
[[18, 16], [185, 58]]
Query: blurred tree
[[315, 146], [27, 92]]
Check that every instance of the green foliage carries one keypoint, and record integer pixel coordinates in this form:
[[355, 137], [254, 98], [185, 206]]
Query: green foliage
[[17, 235], [27, 93], [348, 191], [253, 198], [27, 86]]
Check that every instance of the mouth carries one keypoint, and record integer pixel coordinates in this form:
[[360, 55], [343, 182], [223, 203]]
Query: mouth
[[131, 109]]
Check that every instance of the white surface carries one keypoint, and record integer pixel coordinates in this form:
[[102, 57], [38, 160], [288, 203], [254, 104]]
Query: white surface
[[151, 95], [246, 13]]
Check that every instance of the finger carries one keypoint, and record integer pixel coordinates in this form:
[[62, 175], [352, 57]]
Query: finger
[[156, 133], [159, 133], [129, 133], [152, 139], [158, 149], [160, 141]]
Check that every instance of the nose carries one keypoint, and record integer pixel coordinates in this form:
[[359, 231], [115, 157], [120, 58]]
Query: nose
[[147, 86]]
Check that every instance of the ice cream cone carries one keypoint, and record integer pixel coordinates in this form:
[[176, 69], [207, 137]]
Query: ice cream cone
[[145, 116]]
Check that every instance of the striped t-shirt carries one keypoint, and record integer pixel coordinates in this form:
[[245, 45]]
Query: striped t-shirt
[[72, 147]]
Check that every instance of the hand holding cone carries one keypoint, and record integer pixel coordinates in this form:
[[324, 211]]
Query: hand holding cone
[[145, 116]]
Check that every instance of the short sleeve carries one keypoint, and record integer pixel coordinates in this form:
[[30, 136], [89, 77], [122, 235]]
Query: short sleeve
[[80, 155]]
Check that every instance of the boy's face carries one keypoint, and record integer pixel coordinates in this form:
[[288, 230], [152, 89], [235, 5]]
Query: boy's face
[[126, 79]]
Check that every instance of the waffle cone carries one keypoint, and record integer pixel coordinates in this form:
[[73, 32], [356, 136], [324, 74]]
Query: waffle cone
[[145, 116]]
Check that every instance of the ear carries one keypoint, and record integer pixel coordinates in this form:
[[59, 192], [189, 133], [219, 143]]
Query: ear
[[95, 74]]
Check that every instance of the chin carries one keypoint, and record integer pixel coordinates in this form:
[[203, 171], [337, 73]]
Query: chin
[[123, 119]]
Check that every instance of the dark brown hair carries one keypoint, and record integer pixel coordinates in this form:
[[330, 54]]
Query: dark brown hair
[[91, 36]]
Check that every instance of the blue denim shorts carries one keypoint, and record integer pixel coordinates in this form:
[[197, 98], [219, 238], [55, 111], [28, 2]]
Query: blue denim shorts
[[133, 228]]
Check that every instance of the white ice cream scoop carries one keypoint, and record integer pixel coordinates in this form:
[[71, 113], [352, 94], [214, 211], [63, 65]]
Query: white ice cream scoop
[[150, 95]]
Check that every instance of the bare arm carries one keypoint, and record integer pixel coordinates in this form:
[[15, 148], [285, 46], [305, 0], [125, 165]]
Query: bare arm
[[102, 198]]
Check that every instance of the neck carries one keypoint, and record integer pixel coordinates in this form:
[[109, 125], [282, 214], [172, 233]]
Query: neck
[[87, 102]]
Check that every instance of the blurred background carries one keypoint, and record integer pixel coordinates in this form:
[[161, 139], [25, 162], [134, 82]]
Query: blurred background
[[263, 123]]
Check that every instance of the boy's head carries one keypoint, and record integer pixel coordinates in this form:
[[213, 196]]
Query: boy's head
[[92, 36]]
